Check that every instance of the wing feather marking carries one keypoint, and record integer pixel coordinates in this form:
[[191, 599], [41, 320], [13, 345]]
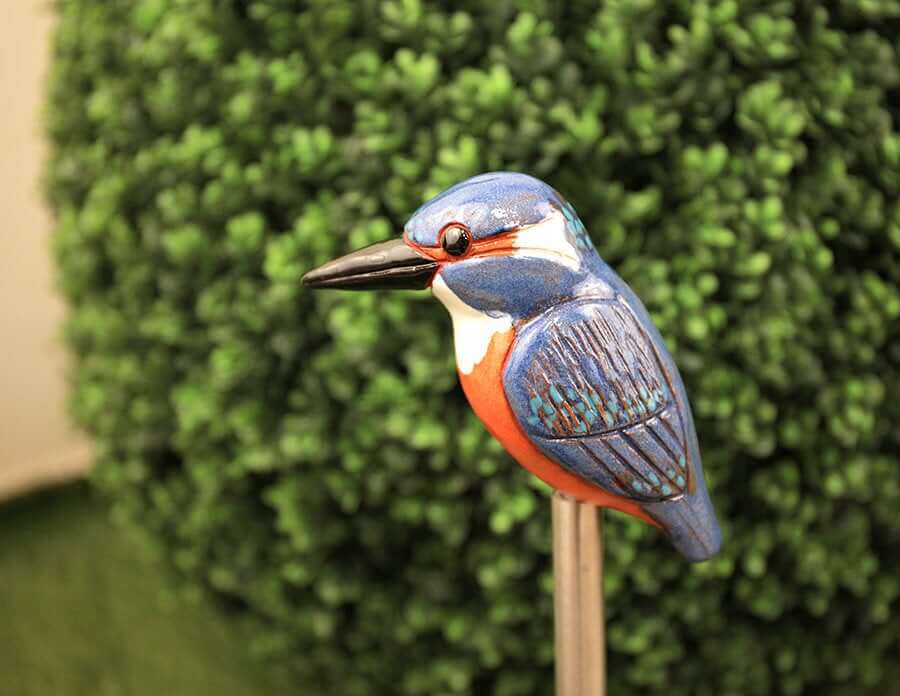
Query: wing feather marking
[[650, 425], [664, 419], [623, 460], [623, 485], [631, 442]]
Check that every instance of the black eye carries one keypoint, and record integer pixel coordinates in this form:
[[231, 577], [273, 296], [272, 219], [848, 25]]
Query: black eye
[[455, 240]]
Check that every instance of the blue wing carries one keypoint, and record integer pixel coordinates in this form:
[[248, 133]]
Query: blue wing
[[598, 393], [589, 389]]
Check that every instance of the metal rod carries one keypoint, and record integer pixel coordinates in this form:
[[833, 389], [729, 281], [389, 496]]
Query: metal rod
[[580, 634], [590, 591], [565, 595]]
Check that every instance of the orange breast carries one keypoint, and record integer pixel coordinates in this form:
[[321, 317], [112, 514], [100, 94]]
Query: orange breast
[[484, 390]]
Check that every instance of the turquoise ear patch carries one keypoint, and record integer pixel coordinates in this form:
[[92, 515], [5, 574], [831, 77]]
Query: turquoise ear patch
[[576, 227]]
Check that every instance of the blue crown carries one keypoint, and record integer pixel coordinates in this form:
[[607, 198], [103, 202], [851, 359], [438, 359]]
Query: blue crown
[[488, 204]]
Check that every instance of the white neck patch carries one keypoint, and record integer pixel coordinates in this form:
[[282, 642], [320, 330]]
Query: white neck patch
[[472, 329], [547, 239]]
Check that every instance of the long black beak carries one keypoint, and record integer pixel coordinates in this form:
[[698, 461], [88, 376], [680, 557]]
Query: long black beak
[[392, 264]]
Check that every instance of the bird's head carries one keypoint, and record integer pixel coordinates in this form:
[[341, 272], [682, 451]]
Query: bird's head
[[500, 243]]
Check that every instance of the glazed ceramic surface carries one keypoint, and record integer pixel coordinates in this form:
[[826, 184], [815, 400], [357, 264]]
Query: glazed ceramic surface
[[556, 354]]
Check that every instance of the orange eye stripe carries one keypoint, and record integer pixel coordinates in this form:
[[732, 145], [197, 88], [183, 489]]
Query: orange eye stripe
[[497, 245]]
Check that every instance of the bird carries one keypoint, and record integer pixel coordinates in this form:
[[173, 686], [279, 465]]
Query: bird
[[555, 353]]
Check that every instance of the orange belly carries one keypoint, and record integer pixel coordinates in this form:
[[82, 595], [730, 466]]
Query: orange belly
[[484, 390]]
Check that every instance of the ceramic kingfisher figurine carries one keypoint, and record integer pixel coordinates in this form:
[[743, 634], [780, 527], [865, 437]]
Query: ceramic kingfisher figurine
[[556, 354]]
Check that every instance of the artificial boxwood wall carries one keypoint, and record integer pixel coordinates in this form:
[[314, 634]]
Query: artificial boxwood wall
[[310, 458]]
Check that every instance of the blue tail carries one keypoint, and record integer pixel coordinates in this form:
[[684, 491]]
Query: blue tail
[[690, 522]]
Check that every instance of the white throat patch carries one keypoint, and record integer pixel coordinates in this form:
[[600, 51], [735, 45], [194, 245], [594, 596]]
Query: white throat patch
[[472, 329]]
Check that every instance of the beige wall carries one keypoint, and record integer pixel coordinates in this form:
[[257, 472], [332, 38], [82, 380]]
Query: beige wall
[[36, 443]]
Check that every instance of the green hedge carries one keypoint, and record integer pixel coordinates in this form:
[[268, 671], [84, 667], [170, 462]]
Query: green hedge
[[310, 459]]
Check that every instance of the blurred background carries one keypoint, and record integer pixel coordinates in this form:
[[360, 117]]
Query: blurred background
[[213, 482], [84, 611]]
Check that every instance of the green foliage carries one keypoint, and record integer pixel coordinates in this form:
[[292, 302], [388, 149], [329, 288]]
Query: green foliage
[[311, 459]]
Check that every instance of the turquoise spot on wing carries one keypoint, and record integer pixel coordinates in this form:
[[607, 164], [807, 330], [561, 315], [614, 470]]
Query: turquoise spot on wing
[[654, 479], [533, 420], [571, 394], [555, 395], [666, 489], [580, 407], [590, 416], [579, 428], [637, 485], [613, 406], [680, 481], [535, 404], [670, 472], [681, 460], [643, 392], [548, 408]]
